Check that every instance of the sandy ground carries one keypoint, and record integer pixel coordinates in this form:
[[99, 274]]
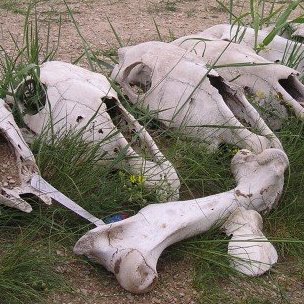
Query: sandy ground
[[133, 21]]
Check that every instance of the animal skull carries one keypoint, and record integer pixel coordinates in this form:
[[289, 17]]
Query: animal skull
[[130, 248], [80, 100], [22, 165], [278, 50], [184, 94], [275, 87]]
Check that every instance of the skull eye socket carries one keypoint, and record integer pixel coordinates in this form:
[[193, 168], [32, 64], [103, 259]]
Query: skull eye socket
[[140, 79], [31, 94]]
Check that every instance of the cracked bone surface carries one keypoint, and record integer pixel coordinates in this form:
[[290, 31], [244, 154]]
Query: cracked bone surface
[[130, 248], [279, 49], [18, 160], [175, 86], [250, 250], [80, 100], [274, 88]]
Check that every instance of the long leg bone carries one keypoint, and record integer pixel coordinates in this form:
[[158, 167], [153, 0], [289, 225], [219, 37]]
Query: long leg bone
[[130, 248], [78, 99], [274, 86], [278, 50], [22, 164], [251, 252], [181, 91]]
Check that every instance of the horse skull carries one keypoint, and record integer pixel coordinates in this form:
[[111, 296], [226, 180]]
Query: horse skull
[[22, 164], [180, 90], [274, 87], [79, 100]]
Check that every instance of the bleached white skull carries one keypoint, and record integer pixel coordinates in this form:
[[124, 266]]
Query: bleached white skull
[[280, 49], [75, 99], [130, 248], [184, 94], [17, 165], [275, 88]]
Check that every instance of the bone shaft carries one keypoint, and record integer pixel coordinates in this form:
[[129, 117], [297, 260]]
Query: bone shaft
[[187, 218]]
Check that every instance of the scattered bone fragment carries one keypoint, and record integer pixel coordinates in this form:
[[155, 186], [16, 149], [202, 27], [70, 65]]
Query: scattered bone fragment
[[275, 88], [251, 252], [75, 99], [280, 49], [184, 94], [17, 165], [131, 248]]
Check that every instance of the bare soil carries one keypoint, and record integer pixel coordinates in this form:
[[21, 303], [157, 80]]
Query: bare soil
[[133, 22]]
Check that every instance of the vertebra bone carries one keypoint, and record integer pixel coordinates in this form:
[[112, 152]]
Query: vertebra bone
[[275, 87], [130, 248], [80, 100], [184, 94], [23, 164]]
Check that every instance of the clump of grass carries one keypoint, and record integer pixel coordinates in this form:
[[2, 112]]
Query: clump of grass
[[26, 271]]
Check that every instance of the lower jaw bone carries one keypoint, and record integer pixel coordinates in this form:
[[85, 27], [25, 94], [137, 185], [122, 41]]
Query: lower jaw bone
[[130, 248]]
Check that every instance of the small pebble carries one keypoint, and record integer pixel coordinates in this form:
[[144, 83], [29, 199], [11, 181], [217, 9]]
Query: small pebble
[[12, 181], [5, 184]]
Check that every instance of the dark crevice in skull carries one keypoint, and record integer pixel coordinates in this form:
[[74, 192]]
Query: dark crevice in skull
[[235, 105], [9, 177], [31, 95], [123, 126], [294, 88], [140, 79]]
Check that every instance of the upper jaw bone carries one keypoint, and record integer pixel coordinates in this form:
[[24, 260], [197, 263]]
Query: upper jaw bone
[[130, 248], [80, 100], [178, 89], [24, 164], [275, 87]]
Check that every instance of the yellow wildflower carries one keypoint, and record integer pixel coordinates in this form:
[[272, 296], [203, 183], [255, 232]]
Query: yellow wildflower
[[133, 179]]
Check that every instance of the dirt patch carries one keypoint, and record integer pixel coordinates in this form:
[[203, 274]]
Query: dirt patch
[[8, 168], [94, 285], [132, 20]]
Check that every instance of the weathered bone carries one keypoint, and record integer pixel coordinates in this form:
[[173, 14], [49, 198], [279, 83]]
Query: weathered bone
[[278, 50], [177, 88], [295, 31], [23, 164], [251, 252], [80, 100], [298, 31], [275, 87], [130, 248]]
